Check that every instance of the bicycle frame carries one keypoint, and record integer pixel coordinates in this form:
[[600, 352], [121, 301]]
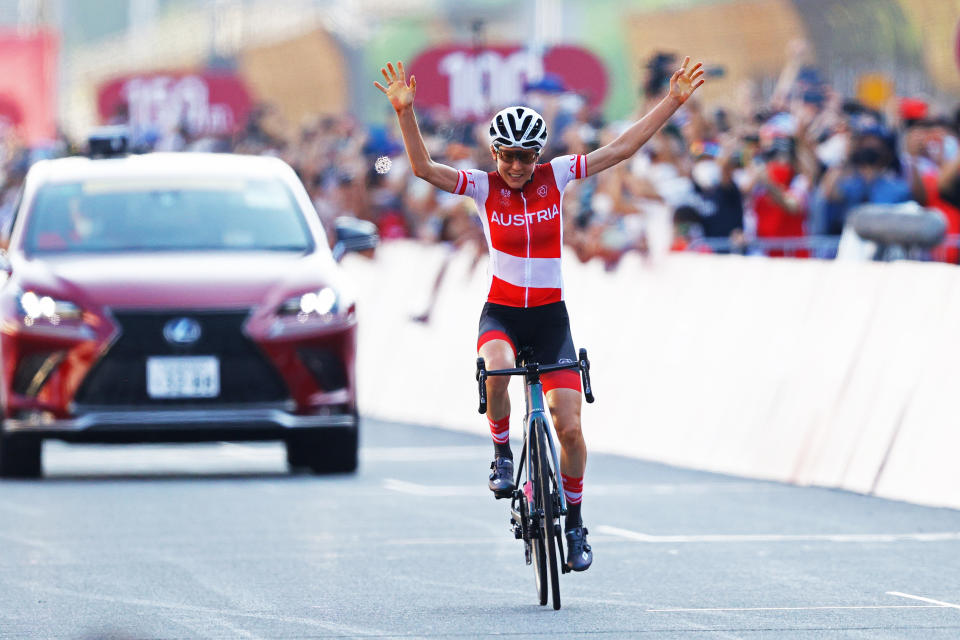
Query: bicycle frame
[[535, 407], [538, 527]]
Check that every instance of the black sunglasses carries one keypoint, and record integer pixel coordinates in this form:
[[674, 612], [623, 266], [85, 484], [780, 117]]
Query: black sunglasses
[[525, 157]]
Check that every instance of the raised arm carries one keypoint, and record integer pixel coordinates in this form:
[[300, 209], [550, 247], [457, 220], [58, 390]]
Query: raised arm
[[401, 96], [682, 85]]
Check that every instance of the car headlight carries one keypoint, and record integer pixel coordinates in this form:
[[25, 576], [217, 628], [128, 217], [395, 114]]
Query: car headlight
[[36, 307], [323, 304]]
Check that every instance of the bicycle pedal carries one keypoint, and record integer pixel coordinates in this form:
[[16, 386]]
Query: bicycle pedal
[[499, 495]]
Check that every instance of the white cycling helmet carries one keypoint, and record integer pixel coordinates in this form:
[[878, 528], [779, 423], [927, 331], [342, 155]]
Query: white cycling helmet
[[518, 127]]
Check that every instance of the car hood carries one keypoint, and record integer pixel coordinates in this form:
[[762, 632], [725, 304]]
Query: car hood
[[178, 280]]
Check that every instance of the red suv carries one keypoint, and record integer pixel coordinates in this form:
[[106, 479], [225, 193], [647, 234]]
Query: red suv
[[176, 297]]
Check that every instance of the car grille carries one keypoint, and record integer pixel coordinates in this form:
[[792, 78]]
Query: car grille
[[120, 376]]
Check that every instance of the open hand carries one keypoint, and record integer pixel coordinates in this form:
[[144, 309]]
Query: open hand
[[398, 91], [684, 82]]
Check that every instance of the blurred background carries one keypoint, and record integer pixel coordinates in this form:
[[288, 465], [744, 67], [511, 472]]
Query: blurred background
[[811, 107], [821, 352]]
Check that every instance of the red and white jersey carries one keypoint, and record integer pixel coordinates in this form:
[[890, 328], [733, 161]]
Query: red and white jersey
[[524, 229]]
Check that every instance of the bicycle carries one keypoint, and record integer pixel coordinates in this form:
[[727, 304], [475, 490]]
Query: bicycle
[[538, 502]]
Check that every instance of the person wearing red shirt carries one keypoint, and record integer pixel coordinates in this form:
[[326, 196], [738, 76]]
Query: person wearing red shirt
[[779, 197], [520, 207]]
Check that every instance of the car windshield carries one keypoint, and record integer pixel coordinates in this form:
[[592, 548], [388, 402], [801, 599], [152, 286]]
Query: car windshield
[[183, 214]]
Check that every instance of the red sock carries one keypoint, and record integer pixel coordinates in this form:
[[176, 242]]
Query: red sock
[[500, 430], [572, 488]]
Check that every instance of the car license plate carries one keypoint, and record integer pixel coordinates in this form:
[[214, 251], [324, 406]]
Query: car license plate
[[183, 376]]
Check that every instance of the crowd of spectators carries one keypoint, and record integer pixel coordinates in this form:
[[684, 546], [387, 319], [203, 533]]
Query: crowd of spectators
[[769, 175]]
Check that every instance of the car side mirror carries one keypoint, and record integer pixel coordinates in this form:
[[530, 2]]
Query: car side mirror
[[354, 235]]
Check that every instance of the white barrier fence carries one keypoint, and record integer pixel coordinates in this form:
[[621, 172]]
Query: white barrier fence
[[826, 373]]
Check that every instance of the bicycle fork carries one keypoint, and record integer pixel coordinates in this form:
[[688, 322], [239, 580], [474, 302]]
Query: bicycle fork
[[522, 504], [560, 501]]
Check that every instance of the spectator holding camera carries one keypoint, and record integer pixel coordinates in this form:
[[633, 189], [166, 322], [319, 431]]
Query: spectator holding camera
[[778, 198], [868, 176]]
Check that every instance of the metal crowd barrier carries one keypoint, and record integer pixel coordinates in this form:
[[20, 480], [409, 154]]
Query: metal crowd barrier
[[822, 247]]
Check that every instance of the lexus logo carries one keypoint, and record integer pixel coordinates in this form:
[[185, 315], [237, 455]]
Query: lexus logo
[[182, 331]]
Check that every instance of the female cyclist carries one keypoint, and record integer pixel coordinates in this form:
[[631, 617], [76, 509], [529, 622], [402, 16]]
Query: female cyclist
[[520, 206]]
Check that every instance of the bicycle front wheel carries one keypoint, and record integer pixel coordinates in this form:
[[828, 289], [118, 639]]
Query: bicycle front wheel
[[536, 549], [543, 502]]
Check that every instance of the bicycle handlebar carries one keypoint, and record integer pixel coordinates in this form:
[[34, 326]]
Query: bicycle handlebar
[[585, 375], [534, 370], [482, 384]]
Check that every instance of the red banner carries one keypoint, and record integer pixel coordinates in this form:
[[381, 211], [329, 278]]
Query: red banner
[[28, 84], [207, 103], [474, 82]]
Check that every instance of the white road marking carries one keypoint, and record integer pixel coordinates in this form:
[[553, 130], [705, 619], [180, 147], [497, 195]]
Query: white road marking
[[479, 488], [28, 542], [822, 608], [938, 603], [424, 454], [637, 536], [661, 489], [414, 489], [408, 542], [322, 624], [237, 631], [19, 509]]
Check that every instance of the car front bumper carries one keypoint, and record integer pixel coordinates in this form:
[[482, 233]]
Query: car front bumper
[[181, 424]]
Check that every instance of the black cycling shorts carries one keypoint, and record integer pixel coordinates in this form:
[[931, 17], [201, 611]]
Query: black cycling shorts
[[544, 330]]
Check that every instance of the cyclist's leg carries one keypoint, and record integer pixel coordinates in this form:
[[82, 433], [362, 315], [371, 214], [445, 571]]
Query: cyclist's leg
[[496, 346], [562, 389], [497, 353], [553, 343], [564, 404]]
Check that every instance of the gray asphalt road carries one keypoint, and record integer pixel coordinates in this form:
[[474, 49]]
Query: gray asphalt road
[[216, 541]]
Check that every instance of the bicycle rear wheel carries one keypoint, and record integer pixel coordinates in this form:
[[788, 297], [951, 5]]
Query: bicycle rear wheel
[[543, 501]]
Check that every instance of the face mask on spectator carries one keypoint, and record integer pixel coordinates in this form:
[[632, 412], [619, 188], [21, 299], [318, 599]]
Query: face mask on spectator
[[706, 173], [833, 151]]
